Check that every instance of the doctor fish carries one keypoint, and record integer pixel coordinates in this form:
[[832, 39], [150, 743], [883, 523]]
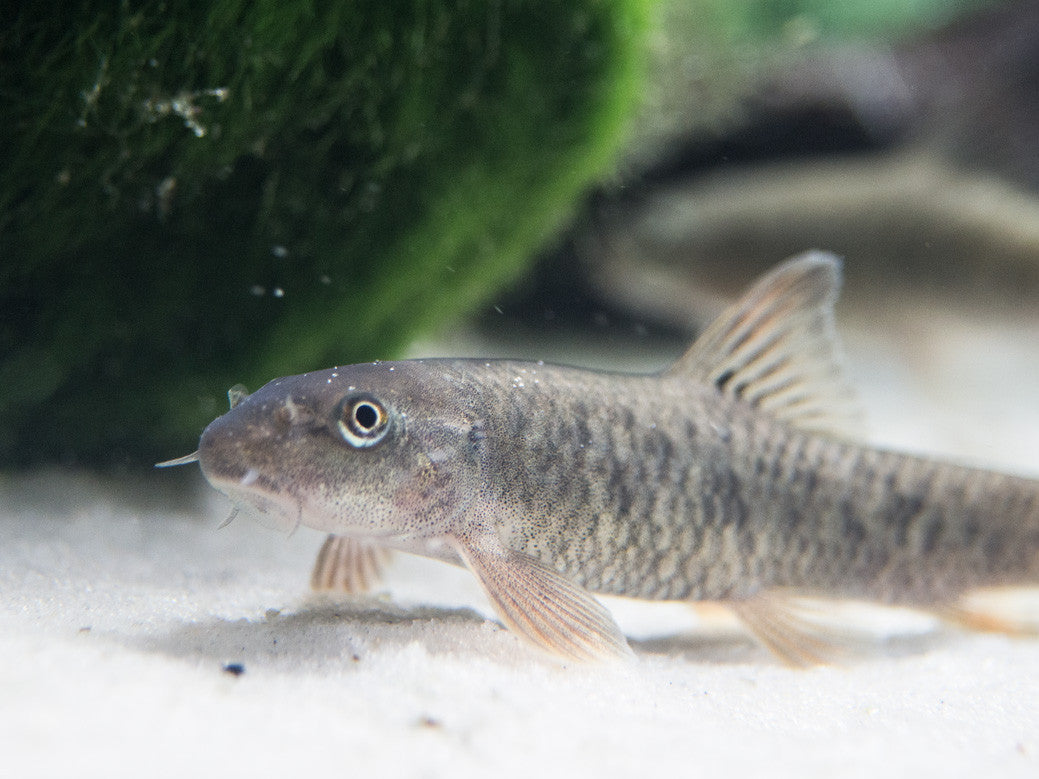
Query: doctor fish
[[725, 478]]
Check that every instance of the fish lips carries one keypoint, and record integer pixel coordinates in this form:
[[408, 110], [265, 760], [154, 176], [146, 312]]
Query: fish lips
[[270, 507], [223, 458]]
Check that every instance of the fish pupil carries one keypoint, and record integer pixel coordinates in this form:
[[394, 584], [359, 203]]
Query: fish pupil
[[366, 416]]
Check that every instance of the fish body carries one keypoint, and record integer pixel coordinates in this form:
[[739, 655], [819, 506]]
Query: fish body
[[725, 478], [649, 488]]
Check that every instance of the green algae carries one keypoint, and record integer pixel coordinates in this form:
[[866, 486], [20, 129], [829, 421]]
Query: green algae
[[194, 195]]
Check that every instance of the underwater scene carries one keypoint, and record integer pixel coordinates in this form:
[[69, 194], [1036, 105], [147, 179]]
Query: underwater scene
[[605, 387]]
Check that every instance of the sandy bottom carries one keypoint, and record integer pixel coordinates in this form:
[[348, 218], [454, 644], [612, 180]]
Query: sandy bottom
[[124, 613], [119, 623]]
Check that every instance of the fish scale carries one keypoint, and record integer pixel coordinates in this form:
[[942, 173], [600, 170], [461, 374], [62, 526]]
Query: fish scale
[[729, 477], [867, 518], [644, 513]]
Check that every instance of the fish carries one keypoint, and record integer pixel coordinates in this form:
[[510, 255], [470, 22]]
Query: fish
[[732, 477]]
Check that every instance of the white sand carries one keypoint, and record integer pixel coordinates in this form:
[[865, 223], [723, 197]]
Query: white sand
[[118, 614]]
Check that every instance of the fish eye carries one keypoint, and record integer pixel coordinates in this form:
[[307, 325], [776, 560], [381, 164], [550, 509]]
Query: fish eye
[[363, 421]]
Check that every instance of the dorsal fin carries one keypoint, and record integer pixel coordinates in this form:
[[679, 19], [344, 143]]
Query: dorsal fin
[[776, 348]]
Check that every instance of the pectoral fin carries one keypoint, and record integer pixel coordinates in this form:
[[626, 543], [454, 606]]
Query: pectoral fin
[[347, 565], [541, 605]]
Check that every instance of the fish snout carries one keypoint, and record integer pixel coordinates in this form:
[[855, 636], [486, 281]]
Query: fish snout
[[240, 460], [228, 449]]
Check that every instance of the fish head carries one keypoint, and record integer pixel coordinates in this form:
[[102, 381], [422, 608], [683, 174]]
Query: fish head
[[375, 450]]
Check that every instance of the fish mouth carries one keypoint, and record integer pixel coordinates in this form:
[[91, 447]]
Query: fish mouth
[[261, 499]]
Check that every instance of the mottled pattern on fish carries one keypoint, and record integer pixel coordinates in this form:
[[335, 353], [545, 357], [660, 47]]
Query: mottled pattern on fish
[[725, 478], [633, 487]]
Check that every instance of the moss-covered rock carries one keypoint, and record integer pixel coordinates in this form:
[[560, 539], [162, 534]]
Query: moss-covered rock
[[196, 194]]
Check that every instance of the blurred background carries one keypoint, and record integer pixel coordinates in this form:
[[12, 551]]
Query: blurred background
[[229, 192]]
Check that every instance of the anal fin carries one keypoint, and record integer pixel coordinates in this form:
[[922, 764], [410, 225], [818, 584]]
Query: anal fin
[[541, 605], [347, 566], [1010, 611]]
